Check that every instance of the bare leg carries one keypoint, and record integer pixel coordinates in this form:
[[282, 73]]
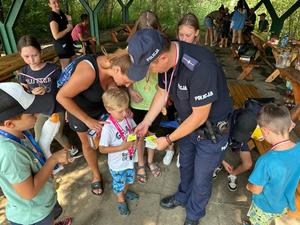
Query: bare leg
[[206, 37], [141, 173], [91, 158]]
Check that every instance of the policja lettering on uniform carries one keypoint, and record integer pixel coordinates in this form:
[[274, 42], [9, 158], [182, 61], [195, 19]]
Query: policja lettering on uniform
[[153, 55], [202, 97]]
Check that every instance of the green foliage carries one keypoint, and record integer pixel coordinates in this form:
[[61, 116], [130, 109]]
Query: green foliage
[[34, 15]]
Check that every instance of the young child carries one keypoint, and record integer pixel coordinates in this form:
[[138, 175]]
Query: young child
[[120, 151], [263, 24], [274, 180], [81, 36], [188, 29], [142, 93], [25, 175], [243, 123], [225, 31], [39, 78]]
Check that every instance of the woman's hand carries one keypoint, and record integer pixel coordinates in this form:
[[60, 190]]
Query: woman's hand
[[38, 91], [95, 124]]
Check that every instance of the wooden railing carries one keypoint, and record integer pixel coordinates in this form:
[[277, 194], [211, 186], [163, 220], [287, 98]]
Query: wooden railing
[[13, 62]]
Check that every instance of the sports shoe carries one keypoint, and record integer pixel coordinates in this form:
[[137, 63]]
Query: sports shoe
[[73, 150], [232, 184], [168, 157], [66, 221], [177, 162], [216, 172]]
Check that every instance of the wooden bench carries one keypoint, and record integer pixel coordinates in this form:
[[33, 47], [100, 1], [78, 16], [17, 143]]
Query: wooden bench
[[10, 63], [247, 66], [239, 93]]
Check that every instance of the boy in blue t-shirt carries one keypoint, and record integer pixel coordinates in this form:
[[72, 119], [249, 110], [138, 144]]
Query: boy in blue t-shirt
[[25, 175], [274, 180]]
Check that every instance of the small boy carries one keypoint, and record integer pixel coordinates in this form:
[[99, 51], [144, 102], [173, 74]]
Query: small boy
[[25, 175], [243, 125], [113, 141], [263, 24], [225, 31], [274, 180]]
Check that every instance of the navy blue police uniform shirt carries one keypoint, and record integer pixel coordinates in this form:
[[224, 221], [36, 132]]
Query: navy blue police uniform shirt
[[198, 80]]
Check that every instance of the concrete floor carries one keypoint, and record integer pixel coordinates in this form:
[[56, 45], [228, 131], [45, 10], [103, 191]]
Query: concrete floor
[[224, 208]]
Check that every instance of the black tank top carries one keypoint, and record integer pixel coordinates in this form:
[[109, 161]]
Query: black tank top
[[90, 100]]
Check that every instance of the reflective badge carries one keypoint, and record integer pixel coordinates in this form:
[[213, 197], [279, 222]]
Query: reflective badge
[[189, 62]]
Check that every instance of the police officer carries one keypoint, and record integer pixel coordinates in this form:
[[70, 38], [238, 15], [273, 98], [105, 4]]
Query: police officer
[[196, 83]]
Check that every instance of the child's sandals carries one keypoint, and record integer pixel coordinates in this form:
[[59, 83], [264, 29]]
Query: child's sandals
[[245, 222], [130, 195], [123, 208], [155, 170], [141, 177]]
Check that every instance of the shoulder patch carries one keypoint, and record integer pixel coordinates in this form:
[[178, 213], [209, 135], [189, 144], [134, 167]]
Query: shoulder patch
[[189, 62]]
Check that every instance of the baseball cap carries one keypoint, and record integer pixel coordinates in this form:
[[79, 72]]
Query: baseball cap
[[244, 125], [262, 14], [143, 47], [15, 101]]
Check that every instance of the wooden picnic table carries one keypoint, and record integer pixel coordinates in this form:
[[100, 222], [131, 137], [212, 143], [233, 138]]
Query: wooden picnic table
[[259, 40], [10, 63]]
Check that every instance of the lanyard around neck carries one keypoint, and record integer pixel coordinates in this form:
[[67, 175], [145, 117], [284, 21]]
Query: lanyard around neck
[[122, 132], [38, 154], [279, 143], [167, 89], [38, 79]]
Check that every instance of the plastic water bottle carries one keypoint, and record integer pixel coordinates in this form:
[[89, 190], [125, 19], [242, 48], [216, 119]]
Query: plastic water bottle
[[91, 135], [49, 130], [284, 41]]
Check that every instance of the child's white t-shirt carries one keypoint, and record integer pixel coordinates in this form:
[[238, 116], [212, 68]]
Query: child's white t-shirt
[[110, 136]]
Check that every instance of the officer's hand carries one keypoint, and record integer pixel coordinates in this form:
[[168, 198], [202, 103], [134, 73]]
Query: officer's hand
[[162, 143], [142, 129]]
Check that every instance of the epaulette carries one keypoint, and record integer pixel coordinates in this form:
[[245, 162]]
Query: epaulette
[[189, 62]]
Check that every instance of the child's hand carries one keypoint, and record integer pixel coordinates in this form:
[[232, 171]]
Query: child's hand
[[227, 166], [128, 144], [61, 157], [38, 91], [135, 95]]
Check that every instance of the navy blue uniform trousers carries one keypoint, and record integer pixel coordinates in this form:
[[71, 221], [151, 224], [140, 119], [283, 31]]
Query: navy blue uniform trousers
[[198, 159]]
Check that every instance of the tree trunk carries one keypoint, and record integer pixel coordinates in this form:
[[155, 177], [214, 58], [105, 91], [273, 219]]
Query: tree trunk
[[1, 12]]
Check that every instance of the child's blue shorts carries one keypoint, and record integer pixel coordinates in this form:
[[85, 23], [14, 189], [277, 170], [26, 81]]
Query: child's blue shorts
[[120, 178]]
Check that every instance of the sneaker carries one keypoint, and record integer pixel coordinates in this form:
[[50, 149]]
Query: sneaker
[[177, 162], [168, 157], [73, 150], [67, 221], [232, 184], [216, 172]]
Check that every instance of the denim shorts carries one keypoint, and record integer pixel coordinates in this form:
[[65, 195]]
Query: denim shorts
[[208, 22], [258, 217], [121, 178]]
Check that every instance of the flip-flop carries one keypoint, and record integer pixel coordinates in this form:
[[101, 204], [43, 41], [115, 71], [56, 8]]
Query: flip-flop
[[130, 195], [96, 186]]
